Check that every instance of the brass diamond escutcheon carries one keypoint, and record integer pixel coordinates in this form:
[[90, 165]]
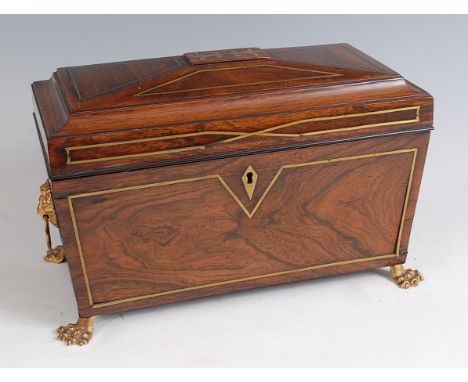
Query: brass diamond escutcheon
[[250, 181]]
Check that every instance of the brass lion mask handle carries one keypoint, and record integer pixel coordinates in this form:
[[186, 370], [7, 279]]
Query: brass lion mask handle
[[46, 209]]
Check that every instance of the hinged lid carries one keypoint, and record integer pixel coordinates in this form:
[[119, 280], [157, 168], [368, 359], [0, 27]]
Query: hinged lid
[[117, 116]]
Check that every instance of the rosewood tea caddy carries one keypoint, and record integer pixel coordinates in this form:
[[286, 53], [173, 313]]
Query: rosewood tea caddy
[[181, 177]]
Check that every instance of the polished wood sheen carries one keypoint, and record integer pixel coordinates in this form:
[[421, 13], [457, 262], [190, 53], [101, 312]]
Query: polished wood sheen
[[154, 233], [113, 117], [213, 172]]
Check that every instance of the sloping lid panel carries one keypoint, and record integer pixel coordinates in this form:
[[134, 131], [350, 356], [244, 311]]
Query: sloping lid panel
[[339, 56], [93, 87], [254, 76], [173, 79], [94, 81]]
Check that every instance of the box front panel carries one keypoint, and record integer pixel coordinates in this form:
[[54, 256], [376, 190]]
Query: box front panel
[[221, 224]]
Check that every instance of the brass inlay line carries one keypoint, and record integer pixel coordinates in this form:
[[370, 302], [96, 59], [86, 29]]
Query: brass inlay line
[[150, 91], [241, 135], [249, 215], [333, 117], [142, 186], [164, 138], [80, 251], [191, 148], [325, 161], [405, 205], [234, 281]]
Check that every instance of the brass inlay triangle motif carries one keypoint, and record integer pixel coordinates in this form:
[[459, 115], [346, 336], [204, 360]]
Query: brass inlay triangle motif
[[304, 74]]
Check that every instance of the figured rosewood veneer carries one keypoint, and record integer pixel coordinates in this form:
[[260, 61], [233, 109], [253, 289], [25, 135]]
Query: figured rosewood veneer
[[189, 176]]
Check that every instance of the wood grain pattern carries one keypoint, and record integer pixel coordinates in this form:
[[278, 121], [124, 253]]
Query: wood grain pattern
[[295, 129], [148, 160], [160, 239], [226, 55], [174, 69], [169, 97], [172, 243]]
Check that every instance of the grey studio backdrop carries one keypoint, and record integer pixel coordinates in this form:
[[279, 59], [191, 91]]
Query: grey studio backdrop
[[353, 320]]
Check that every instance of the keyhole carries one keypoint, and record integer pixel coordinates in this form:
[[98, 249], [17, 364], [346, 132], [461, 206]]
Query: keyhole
[[249, 179]]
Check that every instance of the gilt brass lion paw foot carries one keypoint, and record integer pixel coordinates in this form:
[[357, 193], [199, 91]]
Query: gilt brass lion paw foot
[[405, 278], [55, 255], [77, 334]]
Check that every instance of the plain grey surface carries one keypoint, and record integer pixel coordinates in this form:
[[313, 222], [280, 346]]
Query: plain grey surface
[[353, 320]]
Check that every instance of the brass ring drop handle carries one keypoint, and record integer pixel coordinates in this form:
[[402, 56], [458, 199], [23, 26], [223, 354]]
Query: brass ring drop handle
[[46, 209], [47, 231]]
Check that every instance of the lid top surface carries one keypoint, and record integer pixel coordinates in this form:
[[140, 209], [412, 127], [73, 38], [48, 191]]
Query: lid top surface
[[203, 105], [214, 74]]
